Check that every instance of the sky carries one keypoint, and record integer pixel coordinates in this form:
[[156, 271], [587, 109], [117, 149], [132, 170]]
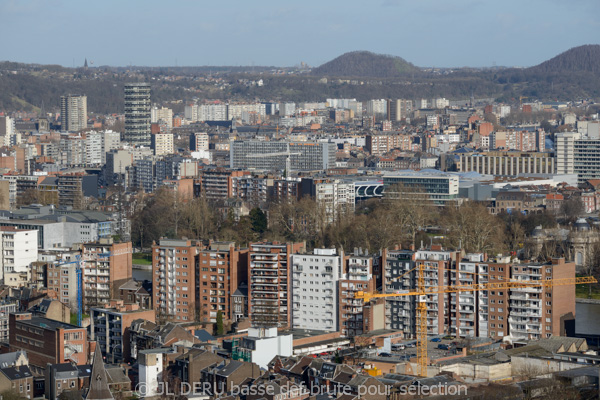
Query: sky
[[427, 33]]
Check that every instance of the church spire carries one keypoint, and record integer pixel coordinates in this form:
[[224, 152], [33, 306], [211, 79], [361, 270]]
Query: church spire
[[98, 380], [85, 65]]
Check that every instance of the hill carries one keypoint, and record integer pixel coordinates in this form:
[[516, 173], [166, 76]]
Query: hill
[[578, 59], [366, 64]]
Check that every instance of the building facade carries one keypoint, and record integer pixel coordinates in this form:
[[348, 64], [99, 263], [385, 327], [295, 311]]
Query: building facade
[[269, 286], [73, 112], [174, 265], [137, 114], [315, 290]]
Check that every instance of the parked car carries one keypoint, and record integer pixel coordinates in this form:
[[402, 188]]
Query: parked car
[[411, 345], [443, 346], [385, 355], [436, 339]]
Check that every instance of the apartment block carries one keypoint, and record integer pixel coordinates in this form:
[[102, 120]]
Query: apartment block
[[174, 264], [336, 197], [137, 114], [380, 143], [519, 140], [269, 286], [222, 267], [199, 141], [6, 308], [521, 313], [162, 143], [315, 288], [61, 276], [537, 313], [398, 109], [355, 316], [19, 248], [164, 115], [565, 148], [73, 112], [70, 190], [217, 183], [106, 266], [109, 327]]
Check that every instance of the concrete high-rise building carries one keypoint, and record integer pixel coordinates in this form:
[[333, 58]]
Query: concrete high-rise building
[[565, 160], [398, 109], [377, 107], [73, 112], [315, 297], [137, 114], [585, 159]]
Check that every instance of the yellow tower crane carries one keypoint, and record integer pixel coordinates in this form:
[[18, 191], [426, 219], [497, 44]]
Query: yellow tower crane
[[422, 292]]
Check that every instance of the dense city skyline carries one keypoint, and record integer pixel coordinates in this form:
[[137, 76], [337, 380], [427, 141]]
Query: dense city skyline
[[428, 34]]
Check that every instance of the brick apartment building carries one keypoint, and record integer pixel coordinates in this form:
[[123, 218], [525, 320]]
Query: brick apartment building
[[269, 280], [522, 313], [47, 341], [174, 270], [221, 269], [106, 266]]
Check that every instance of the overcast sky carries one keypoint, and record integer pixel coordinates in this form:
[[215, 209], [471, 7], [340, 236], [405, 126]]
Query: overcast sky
[[440, 33]]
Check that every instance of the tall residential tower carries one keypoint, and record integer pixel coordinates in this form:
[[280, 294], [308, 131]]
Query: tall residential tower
[[137, 114], [73, 112]]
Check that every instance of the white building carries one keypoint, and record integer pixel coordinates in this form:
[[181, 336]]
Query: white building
[[18, 249], [191, 112], [150, 369], [504, 111], [162, 143], [315, 290], [565, 160], [287, 109], [212, 112], [375, 107], [110, 141], [199, 141], [337, 197], [7, 130], [93, 148], [262, 345], [163, 114]]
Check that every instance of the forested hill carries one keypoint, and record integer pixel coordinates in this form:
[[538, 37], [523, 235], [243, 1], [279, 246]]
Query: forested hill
[[364, 64], [578, 59]]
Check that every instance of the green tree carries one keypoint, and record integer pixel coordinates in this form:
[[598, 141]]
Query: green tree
[[259, 220], [220, 327]]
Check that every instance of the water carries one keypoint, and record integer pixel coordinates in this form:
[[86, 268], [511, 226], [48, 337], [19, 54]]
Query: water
[[142, 274]]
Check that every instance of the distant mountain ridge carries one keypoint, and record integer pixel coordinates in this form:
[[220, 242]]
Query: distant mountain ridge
[[366, 64], [582, 58]]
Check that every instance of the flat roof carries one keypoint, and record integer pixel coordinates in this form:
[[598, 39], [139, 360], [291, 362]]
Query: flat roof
[[45, 323]]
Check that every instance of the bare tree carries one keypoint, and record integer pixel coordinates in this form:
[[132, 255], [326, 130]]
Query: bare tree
[[473, 227], [592, 263]]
